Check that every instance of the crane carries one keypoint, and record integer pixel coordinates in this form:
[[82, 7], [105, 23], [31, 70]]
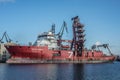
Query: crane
[[60, 34], [5, 35], [102, 45]]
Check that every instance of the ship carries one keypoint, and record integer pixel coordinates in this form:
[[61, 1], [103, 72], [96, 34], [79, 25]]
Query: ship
[[51, 48]]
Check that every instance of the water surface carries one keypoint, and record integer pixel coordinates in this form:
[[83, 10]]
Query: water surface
[[104, 71]]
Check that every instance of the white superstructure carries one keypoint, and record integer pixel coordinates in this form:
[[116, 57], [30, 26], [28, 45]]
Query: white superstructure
[[47, 39]]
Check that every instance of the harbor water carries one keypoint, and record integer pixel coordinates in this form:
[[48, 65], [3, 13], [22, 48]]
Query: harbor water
[[104, 71]]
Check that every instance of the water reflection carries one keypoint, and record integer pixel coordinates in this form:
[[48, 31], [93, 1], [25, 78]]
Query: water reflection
[[42, 72], [78, 72], [60, 72], [64, 72], [2, 71], [70, 72]]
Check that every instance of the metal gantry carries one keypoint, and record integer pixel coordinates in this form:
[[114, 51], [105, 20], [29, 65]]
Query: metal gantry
[[5, 35], [78, 37]]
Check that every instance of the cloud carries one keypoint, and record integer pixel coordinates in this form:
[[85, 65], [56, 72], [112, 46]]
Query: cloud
[[6, 1]]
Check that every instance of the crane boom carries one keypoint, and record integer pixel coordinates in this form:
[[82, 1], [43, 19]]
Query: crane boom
[[102, 45], [5, 35], [60, 34], [64, 27]]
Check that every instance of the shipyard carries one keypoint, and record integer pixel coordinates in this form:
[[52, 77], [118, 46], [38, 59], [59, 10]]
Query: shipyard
[[59, 40]]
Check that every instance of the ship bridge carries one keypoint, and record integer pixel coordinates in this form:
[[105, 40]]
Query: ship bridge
[[47, 39]]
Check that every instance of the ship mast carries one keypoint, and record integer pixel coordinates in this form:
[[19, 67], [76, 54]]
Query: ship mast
[[53, 28], [78, 37]]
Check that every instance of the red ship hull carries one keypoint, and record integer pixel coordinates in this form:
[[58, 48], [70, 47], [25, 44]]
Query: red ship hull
[[41, 54]]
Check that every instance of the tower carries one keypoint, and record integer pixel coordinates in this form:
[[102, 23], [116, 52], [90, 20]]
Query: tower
[[78, 36]]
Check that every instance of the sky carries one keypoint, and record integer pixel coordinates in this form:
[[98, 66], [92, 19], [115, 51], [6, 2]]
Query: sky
[[23, 20]]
